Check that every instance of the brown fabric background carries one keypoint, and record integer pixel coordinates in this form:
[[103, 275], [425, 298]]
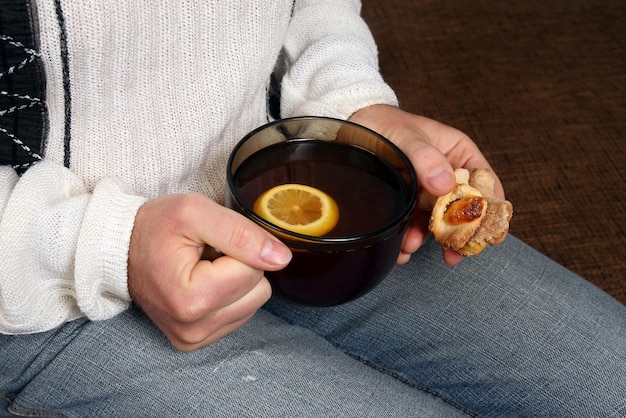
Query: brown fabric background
[[541, 87]]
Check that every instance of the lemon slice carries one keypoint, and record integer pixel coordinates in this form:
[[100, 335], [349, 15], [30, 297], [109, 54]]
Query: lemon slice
[[298, 208]]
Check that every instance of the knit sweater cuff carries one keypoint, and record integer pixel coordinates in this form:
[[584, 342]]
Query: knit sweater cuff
[[102, 251], [341, 103]]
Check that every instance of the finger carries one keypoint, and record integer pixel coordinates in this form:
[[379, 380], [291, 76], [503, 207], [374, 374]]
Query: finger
[[245, 306], [214, 285], [452, 258], [188, 341], [239, 237], [417, 232], [403, 258], [413, 239], [466, 154], [211, 328], [434, 172], [460, 150]]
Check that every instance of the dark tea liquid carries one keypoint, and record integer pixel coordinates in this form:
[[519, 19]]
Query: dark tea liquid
[[369, 193]]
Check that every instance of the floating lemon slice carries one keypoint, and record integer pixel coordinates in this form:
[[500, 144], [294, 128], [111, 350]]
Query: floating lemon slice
[[298, 208]]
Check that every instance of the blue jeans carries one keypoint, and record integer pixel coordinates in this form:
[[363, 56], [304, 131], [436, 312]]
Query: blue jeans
[[509, 333]]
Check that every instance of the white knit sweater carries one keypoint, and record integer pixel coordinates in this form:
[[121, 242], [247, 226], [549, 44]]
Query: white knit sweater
[[154, 96]]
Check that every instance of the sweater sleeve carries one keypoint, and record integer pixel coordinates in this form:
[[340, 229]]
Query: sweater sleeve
[[64, 250], [331, 62]]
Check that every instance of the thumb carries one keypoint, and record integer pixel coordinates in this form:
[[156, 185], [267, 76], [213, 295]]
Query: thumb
[[434, 172], [238, 237]]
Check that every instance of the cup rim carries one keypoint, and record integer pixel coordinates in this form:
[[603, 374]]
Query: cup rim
[[388, 230]]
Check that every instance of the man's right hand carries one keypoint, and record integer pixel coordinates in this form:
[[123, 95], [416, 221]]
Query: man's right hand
[[196, 302]]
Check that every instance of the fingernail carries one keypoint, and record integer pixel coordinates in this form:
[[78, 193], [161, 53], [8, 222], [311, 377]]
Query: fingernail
[[439, 179], [275, 253]]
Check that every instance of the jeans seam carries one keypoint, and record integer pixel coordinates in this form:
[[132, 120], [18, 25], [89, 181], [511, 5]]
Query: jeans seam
[[20, 409], [413, 385]]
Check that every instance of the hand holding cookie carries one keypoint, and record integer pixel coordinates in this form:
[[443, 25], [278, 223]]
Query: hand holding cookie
[[470, 216]]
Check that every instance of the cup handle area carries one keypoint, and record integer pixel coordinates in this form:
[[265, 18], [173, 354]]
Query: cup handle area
[[210, 253]]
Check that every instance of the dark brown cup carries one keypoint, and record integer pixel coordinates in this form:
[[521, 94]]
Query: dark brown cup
[[363, 171]]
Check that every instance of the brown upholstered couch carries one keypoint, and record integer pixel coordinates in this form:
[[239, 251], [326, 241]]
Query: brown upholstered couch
[[541, 87]]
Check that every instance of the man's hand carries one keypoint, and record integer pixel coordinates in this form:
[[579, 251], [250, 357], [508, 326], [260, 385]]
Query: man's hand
[[196, 302], [435, 150]]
